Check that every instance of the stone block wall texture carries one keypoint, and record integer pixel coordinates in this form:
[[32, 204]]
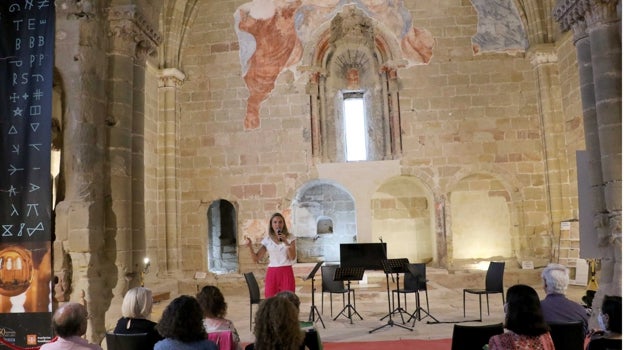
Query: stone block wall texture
[[461, 115]]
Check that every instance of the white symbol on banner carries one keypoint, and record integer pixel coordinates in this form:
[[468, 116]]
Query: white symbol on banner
[[37, 95], [13, 169], [13, 130], [34, 126], [19, 233], [17, 112], [35, 146], [35, 110], [6, 230], [14, 210], [12, 191], [31, 231], [25, 96], [33, 187], [32, 207]]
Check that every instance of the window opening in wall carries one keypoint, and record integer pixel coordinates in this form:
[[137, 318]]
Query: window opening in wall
[[355, 128], [324, 225]]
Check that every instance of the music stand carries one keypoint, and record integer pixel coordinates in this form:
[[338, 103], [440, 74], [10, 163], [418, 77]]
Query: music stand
[[419, 309], [349, 274], [313, 308], [391, 266]]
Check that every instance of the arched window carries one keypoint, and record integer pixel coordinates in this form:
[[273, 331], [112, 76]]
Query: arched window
[[354, 93]]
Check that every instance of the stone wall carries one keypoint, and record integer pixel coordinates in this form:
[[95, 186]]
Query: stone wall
[[461, 115]]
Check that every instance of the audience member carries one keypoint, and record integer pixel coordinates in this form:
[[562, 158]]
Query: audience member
[[282, 249], [312, 339], [524, 321], [277, 326], [135, 311], [610, 320], [69, 323], [555, 306], [214, 307], [182, 326]]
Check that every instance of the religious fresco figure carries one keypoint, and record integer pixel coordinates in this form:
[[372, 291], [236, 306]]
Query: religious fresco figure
[[276, 47], [272, 34]]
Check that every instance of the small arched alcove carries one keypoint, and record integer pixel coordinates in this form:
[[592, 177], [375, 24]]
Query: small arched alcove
[[222, 229], [402, 210], [480, 219], [323, 218]]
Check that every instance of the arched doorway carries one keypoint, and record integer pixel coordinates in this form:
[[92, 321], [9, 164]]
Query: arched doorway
[[222, 256]]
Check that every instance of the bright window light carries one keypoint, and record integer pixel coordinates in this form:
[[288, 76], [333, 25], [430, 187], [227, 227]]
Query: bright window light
[[355, 129]]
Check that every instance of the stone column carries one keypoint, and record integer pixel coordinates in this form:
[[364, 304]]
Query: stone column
[[169, 255], [315, 126], [543, 58], [598, 42], [394, 116], [603, 27], [131, 39], [80, 244]]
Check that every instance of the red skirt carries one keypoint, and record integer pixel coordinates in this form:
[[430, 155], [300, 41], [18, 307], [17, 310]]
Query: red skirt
[[279, 279]]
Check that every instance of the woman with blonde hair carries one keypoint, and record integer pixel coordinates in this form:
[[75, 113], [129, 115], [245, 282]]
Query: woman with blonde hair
[[135, 310]]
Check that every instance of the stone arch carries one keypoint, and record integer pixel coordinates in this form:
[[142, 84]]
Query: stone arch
[[322, 200], [404, 217], [474, 232], [351, 43], [222, 233]]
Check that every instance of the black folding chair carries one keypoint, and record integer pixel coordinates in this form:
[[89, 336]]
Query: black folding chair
[[254, 293]]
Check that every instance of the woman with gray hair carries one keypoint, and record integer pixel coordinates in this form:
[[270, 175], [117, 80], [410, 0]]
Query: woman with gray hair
[[135, 310], [555, 306]]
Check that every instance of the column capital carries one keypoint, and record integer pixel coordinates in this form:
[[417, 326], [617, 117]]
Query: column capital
[[569, 12], [170, 77], [542, 54], [127, 24], [603, 11]]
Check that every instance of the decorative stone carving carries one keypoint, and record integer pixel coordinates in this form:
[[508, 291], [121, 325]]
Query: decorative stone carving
[[62, 288], [542, 54], [570, 12], [129, 25], [170, 77]]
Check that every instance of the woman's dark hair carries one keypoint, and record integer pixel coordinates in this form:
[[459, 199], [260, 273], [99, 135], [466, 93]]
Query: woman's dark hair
[[182, 320], [212, 302], [524, 311], [277, 325], [612, 307]]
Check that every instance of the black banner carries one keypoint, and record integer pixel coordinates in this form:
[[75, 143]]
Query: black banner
[[26, 65]]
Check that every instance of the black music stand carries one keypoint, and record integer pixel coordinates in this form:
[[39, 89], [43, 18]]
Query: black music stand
[[419, 309], [313, 308], [349, 274], [391, 266]]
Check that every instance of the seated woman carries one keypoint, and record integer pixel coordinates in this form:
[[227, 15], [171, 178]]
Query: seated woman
[[524, 321], [135, 310], [312, 339], [610, 320], [214, 308], [277, 326], [182, 326]]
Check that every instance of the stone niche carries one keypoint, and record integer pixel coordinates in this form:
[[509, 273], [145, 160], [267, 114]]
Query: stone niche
[[323, 218]]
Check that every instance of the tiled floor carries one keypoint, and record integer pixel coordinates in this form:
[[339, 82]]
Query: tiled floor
[[445, 302]]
